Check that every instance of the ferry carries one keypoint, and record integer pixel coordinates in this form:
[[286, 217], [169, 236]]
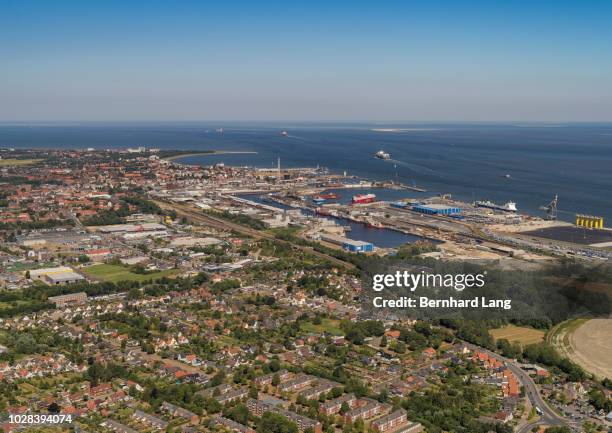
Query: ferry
[[508, 207], [381, 154], [363, 198]]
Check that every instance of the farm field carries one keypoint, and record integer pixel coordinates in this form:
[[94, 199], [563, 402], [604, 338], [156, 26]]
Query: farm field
[[17, 162], [114, 273], [588, 342], [522, 335]]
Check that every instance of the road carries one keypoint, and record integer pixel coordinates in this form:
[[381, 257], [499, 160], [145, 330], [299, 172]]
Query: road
[[549, 416], [221, 224]]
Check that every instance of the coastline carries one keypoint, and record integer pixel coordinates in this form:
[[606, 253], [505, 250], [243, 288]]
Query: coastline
[[213, 152]]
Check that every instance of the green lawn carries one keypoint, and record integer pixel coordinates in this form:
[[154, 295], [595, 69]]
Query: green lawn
[[114, 273], [327, 325]]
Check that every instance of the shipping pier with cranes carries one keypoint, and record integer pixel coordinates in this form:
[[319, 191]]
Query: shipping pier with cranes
[[395, 214], [463, 230]]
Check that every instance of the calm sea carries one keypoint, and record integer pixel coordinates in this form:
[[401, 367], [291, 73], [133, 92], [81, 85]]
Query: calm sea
[[469, 161]]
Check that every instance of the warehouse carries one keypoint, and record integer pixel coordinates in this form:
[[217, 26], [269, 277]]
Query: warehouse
[[348, 244], [357, 246], [57, 275], [69, 299], [436, 209], [131, 228]]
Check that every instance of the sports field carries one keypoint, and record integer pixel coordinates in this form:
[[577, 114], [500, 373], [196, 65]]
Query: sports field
[[522, 335], [114, 273]]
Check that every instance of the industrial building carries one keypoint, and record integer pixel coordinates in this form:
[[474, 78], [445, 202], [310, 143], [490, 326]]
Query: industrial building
[[131, 228], [348, 244], [57, 275], [69, 299], [190, 241], [436, 209]]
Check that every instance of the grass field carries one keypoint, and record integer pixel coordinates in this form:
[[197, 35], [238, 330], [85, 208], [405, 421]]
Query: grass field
[[114, 273], [519, 334], [327, 325], [18, 162]]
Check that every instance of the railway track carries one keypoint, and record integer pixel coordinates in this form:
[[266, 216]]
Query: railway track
[[221, 224]]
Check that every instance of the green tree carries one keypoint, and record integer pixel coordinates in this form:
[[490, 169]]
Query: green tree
[[344, 408], [383, 341], [275, 423]]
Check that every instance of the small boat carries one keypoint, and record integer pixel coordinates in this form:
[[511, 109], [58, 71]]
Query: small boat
[[284, 133], [374, 224], [329, 196]]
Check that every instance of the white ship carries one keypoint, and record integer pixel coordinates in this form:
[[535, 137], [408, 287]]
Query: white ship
[[508, 207], [381, 154]]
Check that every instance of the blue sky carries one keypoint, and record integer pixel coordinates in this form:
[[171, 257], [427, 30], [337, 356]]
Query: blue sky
[[328, 60]]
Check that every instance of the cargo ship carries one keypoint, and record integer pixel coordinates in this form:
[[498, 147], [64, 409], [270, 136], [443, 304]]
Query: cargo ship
[[508, 207], [381, 154], [363, 198]]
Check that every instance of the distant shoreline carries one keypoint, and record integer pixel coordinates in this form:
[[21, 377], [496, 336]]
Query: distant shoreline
[[214, 152]]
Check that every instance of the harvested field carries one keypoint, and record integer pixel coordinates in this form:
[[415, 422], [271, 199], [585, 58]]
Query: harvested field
[[522, 335], [590, 345]]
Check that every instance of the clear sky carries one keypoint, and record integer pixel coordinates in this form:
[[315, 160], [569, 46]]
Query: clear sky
[[308, 60]]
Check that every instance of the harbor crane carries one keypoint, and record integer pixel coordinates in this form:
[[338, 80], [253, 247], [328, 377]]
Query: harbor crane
[[551, 209]]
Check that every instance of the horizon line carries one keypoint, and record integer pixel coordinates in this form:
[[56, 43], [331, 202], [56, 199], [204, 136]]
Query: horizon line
[[374, 122]]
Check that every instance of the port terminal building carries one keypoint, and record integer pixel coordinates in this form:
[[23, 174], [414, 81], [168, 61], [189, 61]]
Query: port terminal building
[[436, 209], [348, 244]]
